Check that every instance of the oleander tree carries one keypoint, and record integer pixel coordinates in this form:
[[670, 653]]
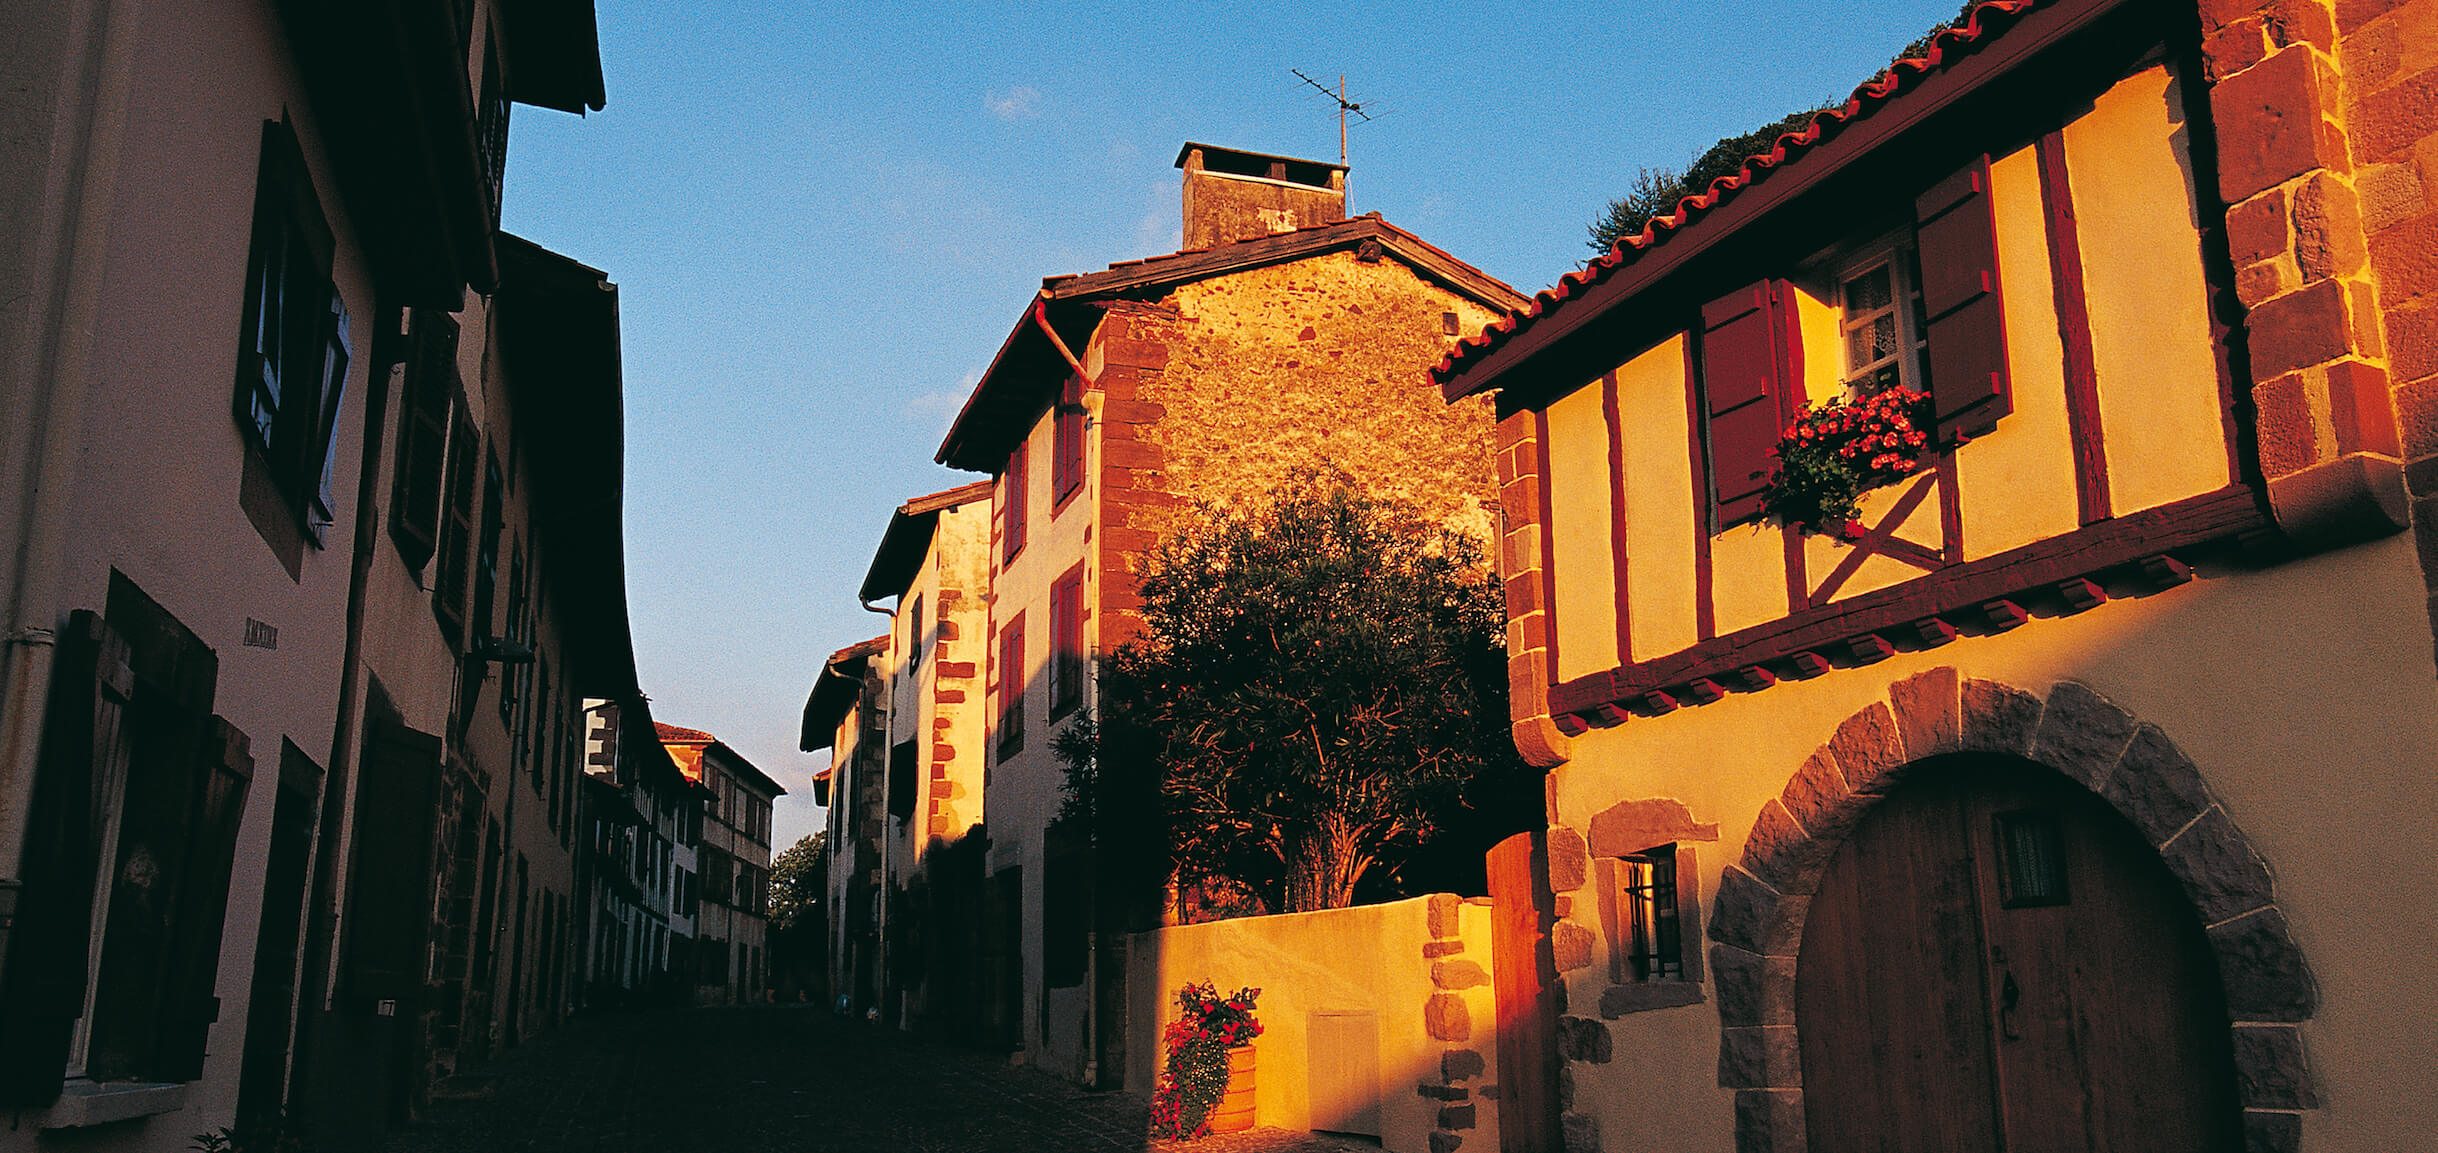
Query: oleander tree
[[1316, 704]]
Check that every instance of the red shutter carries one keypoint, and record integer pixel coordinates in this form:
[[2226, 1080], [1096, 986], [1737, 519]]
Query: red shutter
[[1751, 365], [1012, 498], [1958, 243], [42, 980]]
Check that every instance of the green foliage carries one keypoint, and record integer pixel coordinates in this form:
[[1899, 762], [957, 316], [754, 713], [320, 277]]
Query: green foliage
[[1655, 192], [1319, 692], [798, 878]]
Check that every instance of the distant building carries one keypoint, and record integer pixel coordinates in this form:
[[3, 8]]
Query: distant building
[[731, 948], [1285, 335], [644, 824]]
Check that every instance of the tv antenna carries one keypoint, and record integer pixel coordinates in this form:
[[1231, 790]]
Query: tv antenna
[[1344, 106]]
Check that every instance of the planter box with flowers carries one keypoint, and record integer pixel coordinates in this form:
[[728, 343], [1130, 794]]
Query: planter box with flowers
[[1838, 450], [1209, 1041]]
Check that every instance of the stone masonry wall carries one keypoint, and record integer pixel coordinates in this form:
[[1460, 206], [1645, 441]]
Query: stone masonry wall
[[2327, 126], [1218, 391]]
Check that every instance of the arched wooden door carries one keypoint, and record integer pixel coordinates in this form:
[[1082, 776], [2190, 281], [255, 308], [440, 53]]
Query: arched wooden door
[[1997, 961]]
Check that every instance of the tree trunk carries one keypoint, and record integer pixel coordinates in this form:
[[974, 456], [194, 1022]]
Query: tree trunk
[[1322, 867]]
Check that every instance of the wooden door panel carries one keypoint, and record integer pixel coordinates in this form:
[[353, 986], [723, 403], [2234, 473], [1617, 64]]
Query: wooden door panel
[[1895, 1048], [1524, 976], [1951, 1000], [2118, 1038]]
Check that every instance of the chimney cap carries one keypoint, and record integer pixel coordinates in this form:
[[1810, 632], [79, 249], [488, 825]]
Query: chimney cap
[[1238, 162]]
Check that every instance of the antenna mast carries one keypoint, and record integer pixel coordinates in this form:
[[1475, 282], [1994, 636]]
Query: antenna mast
[[1344, 106]]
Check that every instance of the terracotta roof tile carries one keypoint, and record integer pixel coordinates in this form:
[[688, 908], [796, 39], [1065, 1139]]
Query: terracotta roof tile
[[672, 734], [1985, 21]]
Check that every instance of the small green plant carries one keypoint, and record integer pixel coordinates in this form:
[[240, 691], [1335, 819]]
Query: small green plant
[[1840, 449], [1207, 1026]]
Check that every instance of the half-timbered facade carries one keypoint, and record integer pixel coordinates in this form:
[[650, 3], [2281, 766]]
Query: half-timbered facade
[[2051, 802]]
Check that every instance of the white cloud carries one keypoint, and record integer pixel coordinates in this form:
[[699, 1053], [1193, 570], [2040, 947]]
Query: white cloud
[[1018, 103], [939, 407]]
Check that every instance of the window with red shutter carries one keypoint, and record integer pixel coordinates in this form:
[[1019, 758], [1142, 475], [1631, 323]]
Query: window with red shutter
[[1958, 242], [1067, 456], [1013, 491], [1751, 358], [1011, 688], [1067, 643]]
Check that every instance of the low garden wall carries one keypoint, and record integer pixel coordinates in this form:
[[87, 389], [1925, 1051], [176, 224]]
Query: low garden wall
[[1378, 1019]]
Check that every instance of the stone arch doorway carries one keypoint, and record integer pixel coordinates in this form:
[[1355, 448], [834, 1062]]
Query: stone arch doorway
[[2091, 749]]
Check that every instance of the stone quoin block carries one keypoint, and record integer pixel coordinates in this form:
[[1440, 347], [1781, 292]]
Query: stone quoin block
[[2263, 969], [1583, 1039], [2273, 123], [2082, 734], [1752, 989], [1439, 1092], [1759, 1057], [2360, 407], [1446, 1018], [2221, 874], [2327, 228], [1579, 1133], [2395, 118], [1456, 1117], [1569, 861], [2312, 325], [1867, 749], [1570, 946], [1747, 913], [2265, 1132], [1444, 1142], [1443, 913], [2285, 425], [2271, 1071], [1457, 975], [1769, 1121], [1441, 948], [1817, 797], [1643, 996], [2156, 786], [1461, 1065], [1780, 852], [1927, 707], [1566, 1087]]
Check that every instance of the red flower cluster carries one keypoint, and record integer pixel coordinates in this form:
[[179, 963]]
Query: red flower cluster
[[1838, 450], [1207, 1026]]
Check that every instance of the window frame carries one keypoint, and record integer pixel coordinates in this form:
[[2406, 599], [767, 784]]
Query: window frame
[[1068, 652], [295, 339], [1902, 258], [1668, 972], [1015, 491], [1008, 739], [1068, 444]]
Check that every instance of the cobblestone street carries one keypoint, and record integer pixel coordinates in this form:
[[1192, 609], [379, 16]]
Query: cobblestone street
[[783, 1079]]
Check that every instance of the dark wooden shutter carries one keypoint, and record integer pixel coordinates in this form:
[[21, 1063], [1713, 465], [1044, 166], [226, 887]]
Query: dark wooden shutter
[[1958, 244], [389, 903], [1751, 358], [321, 451], [1012, 508], [423, 436], [224, 772], [905, 777], [457, 531], [42, 981]]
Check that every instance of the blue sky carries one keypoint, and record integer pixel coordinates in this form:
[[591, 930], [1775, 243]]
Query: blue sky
[[822, 225]]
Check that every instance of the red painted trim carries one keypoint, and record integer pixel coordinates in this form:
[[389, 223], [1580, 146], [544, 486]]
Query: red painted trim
[[1951, 512], [1798, 572], [1898, 548], [2073, 331], [1619, 562], [1549, 552], [1979, 594], [1875, 541], [1705, 510]]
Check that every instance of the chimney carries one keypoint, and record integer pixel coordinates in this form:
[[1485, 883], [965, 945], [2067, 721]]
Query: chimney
[[1232, 195]]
